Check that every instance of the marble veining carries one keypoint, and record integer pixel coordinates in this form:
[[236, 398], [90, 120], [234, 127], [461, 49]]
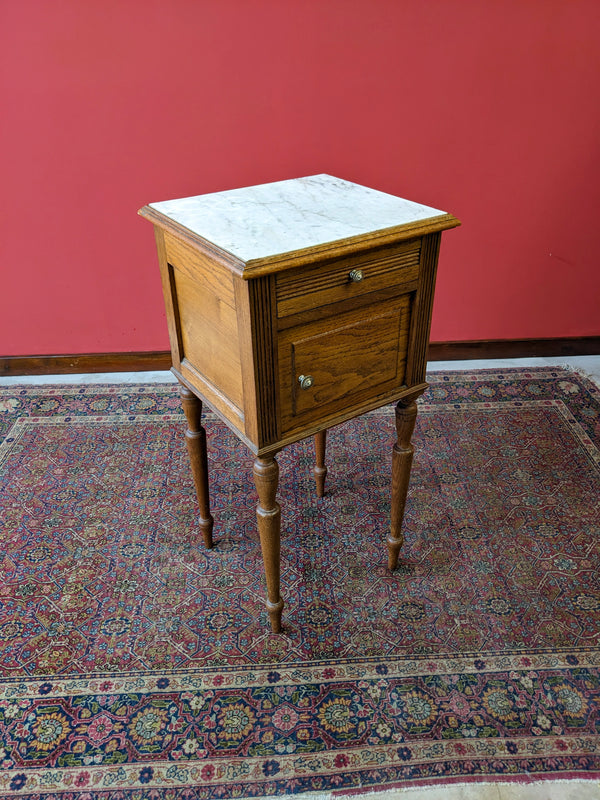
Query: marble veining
[[274, 218]]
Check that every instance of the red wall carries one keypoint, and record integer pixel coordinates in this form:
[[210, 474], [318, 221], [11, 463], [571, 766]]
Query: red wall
[[488, 110]]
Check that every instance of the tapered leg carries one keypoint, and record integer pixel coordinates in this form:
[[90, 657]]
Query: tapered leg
[[268, 514], [320, 470], [402, 456], [195, 438]]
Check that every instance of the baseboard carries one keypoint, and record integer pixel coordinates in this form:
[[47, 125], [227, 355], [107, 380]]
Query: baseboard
[[514, 348], [86, 362], [161, 359]]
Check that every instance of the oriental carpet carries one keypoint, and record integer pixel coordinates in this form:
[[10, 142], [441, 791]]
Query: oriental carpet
[[136, 664]]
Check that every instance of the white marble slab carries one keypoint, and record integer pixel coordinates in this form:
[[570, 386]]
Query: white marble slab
[[274, 218]]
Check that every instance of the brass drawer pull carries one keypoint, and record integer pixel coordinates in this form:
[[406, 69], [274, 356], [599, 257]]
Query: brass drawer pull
[[356, 275], [305, 381]]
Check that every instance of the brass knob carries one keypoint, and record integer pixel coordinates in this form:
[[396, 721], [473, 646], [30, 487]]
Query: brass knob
[[305, 381], [356, 275]]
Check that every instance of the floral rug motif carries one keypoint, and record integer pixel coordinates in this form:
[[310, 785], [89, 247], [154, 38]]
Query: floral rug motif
[[134, 663]]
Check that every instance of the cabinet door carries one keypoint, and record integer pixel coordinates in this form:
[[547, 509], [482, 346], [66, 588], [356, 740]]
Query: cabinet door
[[342, 362]]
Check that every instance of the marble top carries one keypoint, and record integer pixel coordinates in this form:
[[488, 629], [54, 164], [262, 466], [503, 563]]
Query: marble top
[[274, 218]]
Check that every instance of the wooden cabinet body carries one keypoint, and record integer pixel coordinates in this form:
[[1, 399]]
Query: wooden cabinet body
[[242, 342], [287, 344]]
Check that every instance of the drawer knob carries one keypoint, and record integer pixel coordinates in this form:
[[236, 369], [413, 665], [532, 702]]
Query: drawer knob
[[306, 381], [356, 275]]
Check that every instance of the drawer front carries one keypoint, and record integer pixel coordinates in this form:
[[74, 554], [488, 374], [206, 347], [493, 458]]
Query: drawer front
[[305, 289], [343, 361]]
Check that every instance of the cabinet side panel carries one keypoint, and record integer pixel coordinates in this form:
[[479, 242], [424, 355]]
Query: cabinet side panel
[[169, 297], [209, 337], [205, 324], [214, 276]]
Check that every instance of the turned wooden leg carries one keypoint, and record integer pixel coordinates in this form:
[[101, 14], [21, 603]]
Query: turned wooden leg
[[195, 438], [402, 456], [266, 477], [320, 470]]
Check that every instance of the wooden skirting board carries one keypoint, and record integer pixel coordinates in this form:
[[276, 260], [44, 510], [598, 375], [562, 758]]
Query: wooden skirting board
[[514, 348], [161, 359], [85, 362]]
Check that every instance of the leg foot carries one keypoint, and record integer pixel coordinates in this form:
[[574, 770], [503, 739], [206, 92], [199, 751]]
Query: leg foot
[[402, 456], [195, 438], [268, 514], [320, 470]]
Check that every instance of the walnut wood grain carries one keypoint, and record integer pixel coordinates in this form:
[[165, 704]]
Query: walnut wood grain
[[195, 437], [320, 470], [402, 457], [268, 515]]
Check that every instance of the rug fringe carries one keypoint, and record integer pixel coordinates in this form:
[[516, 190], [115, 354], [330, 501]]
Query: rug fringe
[[474, 790], [583, 373]]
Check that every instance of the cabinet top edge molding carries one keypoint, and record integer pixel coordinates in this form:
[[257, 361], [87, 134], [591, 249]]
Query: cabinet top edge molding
[[268, 227]]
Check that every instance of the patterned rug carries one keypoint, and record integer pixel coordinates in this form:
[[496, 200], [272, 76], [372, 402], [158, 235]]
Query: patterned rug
[[136, 664]]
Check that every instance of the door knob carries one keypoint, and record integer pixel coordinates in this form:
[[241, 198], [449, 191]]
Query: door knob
[[305, 381]]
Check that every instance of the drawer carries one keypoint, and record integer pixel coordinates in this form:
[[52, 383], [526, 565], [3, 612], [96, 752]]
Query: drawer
[[330, 282], [342, 361]]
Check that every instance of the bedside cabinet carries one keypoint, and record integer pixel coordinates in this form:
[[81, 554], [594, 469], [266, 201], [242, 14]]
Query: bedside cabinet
[[291, 307]]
